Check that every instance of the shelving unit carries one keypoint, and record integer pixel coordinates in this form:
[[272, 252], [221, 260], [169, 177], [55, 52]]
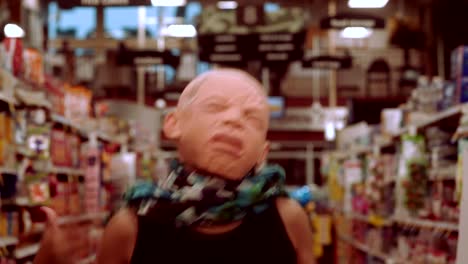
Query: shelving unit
[[447, 226], [441, 175], [367, 250], [26, 243], [8, 241], [26, 251]]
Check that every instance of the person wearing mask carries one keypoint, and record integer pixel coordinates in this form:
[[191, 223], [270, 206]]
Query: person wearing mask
[[221, 202]]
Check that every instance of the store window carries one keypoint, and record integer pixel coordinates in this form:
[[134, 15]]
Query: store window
[[76, 23]]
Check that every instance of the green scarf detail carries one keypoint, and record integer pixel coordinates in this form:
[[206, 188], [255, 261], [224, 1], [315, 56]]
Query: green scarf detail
[[196, 199]]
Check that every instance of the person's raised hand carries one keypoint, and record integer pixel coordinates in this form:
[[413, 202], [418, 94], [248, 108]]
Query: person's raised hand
[[58, 245]]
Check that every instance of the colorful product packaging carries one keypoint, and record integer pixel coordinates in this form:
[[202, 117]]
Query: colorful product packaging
[[33, 66], [77, 102], [58, 148], [55, 89], [13, 51]]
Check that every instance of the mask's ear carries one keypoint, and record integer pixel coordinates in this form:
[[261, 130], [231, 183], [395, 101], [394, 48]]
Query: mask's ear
[[171, 126], [263, 157]]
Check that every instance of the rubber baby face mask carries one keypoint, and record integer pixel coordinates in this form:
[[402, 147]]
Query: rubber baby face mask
[[220, 123]]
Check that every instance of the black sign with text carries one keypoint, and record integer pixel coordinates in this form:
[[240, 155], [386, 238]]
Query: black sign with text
[[352, 20], [270, 48], [76, 3], [131, 57], [328, 62]]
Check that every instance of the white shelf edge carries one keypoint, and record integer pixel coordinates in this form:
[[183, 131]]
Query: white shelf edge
[[8, 241], [436, 117], [88, 260], [448, 173], [427, 223], [65, 170], [8, 170], [366, 249], [26, 251], [365, 218]]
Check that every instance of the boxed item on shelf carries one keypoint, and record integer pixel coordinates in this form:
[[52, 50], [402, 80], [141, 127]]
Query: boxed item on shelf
[[33, 66], [9, 224], [58, 148], [460, 73], [55, 89], [13, 55], [77, 102]]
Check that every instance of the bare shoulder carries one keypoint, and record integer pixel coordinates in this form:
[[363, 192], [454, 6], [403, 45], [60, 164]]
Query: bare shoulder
[[298, 227], [119, 238]]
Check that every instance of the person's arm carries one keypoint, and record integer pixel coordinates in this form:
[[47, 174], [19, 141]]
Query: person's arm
[[299, 229], [119, 239]]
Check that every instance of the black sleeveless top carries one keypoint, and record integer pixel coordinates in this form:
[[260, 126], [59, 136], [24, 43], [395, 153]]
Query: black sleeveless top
[[259, 238]]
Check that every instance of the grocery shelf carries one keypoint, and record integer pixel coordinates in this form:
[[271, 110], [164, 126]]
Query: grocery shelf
[[446, 173], [367, 250], [65, 170], [454, 110], [373, 220], [7, 99], [26, 251], [8, 241], [8, 170], [426, 223]]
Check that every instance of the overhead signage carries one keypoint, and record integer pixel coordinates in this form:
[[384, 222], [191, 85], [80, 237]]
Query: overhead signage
[[253, 35], [328, 62], [80, 3], [268, 47], [352, 20], [130, 57]]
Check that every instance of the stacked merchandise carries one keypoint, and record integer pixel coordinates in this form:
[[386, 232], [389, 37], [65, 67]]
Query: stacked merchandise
[[52, 152], [400, 200]]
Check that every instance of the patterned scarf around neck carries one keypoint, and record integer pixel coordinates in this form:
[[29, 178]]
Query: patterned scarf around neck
[[193, 198]]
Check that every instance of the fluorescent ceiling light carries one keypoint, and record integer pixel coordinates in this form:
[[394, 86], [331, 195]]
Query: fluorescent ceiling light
[[181, 31], [367, 3], [168, 2], [227, 4], [13, 31], [356, 32]]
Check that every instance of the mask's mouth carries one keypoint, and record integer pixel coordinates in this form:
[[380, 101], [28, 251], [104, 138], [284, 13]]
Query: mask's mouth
[[228, 144]]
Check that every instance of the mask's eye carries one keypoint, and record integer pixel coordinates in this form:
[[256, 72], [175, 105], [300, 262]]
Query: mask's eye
[[215, 107], [255, 120]]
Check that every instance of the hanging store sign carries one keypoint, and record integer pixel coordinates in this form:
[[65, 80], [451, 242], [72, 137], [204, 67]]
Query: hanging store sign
[[130, 57], [352, 20], [223, 49], [76, 3], [270, 48], [280, 47], [328, 62]]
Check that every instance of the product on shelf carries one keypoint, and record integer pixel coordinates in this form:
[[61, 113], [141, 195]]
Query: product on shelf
[[13, 55], [77, 102], [33, 66], [55, 89], [58, 148]]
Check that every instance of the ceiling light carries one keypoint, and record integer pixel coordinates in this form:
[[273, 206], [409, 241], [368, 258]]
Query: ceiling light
[[168, 2], [13, 31], [227, 4], [181, 31], [367, 3], [355, 32]]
